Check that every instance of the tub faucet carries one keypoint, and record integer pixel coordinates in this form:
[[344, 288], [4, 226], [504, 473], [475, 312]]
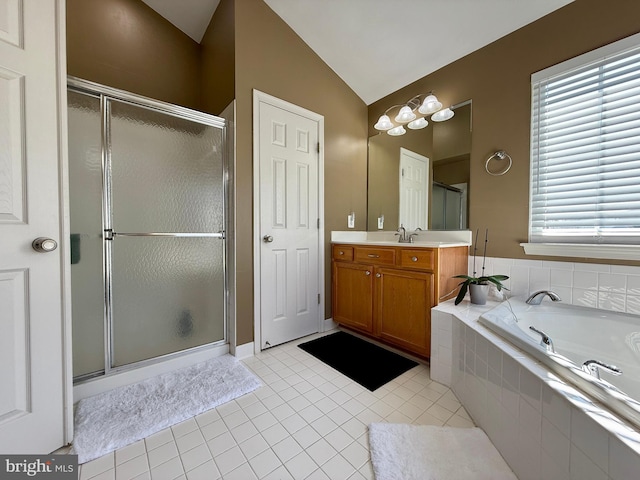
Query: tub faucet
[[545, 340], [593, 367], [536, 297]]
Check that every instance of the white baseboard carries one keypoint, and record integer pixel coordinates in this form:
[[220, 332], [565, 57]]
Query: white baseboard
[[243, 351], [329, 324], [104, 384]]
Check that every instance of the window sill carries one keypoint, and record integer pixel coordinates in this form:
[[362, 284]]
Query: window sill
[[610, 252]]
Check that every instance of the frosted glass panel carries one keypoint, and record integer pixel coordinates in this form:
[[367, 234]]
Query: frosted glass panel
[[452, 220], [85, 195], [437, 207], [166, 172], [168, 295]]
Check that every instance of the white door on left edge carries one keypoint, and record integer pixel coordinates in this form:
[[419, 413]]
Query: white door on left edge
[[288, 163], [31, 355]]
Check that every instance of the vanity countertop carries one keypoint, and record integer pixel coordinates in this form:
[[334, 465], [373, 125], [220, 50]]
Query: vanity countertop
[[424, 238], [415, 244]]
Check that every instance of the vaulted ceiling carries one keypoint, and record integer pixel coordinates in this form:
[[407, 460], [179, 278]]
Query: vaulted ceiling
[[379, 46]]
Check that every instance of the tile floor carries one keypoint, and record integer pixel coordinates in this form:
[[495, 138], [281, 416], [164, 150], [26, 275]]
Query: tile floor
[[307, 422]]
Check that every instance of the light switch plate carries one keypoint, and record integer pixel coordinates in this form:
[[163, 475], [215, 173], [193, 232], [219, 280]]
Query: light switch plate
[[380, 222], [351, 220]]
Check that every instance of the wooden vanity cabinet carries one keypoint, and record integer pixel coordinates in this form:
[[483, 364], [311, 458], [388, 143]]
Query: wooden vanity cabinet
[[387, 292]]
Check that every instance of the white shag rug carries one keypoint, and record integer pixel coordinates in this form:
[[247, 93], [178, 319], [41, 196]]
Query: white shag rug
[[426, 452], [119, 417]]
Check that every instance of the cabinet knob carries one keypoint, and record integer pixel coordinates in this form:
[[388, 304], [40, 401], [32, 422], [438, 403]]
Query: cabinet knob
[[414, 259], [341, 252], [378, 275], [367, 273]]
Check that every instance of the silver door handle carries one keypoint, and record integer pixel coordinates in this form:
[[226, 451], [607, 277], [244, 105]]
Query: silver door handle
[[267, 239], [44, 244]]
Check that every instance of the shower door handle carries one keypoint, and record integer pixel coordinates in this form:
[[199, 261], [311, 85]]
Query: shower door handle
[[167, 234]]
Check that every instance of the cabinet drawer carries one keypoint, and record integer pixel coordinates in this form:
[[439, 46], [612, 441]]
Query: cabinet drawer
[[375, 255], [422, 258], [342, 252]]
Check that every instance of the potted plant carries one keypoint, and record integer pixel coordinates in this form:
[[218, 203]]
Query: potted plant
[[478, 287]]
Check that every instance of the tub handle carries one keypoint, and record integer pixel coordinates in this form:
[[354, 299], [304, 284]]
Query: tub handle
[[593, 367], [545, 340]]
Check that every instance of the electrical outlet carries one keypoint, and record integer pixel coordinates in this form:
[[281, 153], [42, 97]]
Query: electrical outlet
[[380, 222], [351, 220]]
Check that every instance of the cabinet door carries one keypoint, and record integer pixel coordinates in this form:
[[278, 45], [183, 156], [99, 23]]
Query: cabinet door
[[403, 302], [353, 295]]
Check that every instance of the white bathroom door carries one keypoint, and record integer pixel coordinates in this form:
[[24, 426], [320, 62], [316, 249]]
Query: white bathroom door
[[31, 325], [414, 190], [288, 229]]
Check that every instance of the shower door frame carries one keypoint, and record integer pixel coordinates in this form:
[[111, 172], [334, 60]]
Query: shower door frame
[[105, 93]]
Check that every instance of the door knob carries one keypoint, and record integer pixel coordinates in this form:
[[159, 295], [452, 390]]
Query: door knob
[[267, 238], [44, 244]]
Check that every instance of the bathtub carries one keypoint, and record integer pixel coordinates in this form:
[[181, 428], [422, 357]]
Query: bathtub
[[578, 334]]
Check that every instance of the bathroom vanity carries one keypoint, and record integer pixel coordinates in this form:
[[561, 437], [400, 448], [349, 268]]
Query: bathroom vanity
[[385, 289]]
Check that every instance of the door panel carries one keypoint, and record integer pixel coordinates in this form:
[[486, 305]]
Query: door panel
[[166, 172], [14, 356], [288, 216], [168, 295], [353, 295], [85, 208], [31, 323], [403, 308]]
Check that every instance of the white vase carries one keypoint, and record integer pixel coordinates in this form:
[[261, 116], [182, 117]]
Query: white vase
[[478, 293]]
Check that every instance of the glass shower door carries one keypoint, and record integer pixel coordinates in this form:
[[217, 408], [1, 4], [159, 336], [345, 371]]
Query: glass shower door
[[164, 233]]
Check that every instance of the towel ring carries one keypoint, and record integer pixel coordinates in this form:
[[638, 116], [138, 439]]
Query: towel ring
[[499, 155]]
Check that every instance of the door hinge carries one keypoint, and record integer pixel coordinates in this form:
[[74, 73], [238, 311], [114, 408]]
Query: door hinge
[[318, 147], [318, 299], [318, 224], [402, 172]]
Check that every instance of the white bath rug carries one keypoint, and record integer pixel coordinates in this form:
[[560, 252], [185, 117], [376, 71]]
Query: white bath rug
[[426, 452], [114, 419]]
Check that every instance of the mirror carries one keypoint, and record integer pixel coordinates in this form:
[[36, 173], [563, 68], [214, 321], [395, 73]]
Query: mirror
[[432, 193]]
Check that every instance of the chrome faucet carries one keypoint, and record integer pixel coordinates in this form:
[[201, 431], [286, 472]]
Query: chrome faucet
[[536, 297], [403, 237], [545, 340], [593, 367]]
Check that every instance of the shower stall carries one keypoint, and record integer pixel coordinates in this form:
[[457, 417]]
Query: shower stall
[[147, 189]]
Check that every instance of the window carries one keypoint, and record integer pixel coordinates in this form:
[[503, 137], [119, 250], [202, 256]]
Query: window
[[585, 149]]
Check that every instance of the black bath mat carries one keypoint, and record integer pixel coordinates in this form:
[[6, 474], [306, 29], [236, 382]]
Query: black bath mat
[[363, 362]]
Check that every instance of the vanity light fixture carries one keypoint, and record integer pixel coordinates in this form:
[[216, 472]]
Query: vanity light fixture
[[423, 104], [442, 115]]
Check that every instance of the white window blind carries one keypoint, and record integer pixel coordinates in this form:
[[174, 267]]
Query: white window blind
[[585, 146]]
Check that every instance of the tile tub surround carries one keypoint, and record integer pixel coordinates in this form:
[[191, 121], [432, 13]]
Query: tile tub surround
[[543, 428], [607, 287]]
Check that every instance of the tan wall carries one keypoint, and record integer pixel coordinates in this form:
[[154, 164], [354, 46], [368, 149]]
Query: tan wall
[[270, 57], [126, 45], [498, 79], [218, 60], [453, 137]]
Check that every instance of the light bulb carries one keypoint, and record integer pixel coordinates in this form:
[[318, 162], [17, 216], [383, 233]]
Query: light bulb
[[418, 123], [384, 123], [397, 131], [405, 115], [442, 115], [430, 105]]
